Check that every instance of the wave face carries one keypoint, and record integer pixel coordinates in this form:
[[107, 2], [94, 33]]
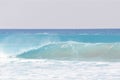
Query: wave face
[[61, 44], [74, 50]]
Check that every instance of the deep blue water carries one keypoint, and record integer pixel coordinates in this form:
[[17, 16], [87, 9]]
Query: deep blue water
[[64, 31], [80, 35]]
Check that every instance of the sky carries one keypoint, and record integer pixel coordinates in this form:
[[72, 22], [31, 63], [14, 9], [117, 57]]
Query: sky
[[46, 14]]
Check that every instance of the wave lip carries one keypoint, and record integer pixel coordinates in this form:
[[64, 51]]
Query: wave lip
[[75, 50]]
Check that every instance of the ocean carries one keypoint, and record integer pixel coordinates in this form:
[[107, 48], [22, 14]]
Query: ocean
[[59, 54]]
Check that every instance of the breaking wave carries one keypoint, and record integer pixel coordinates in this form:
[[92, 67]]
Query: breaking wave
[[74, 50], [63, 46]]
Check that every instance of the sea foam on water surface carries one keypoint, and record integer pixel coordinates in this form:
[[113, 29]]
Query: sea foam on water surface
[[3, 57], [23, 69]]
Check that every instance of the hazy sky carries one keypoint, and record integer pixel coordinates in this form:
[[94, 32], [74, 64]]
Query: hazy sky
[[59, 13]]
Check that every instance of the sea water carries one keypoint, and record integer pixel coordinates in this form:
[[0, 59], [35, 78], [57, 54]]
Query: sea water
[[59, 54]]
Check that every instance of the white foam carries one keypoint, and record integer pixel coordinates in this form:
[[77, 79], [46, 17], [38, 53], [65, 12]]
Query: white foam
[[22, 69], [3, 57]]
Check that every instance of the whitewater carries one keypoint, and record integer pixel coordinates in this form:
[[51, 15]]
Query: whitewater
[[59, 54]]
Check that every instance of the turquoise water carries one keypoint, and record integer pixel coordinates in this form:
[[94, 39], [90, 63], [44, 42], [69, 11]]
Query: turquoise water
[[72, 54], [76, 44]]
